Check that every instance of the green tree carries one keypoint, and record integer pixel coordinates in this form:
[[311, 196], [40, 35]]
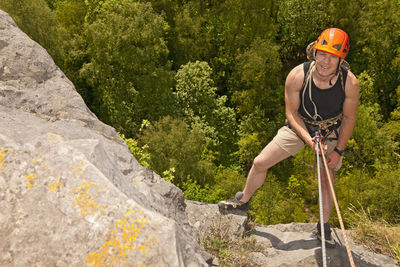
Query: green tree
[[258, 71], [204, 109], [71, 15], [300, 23], [392, 127], [128, 67], [190, 41], [376, 43], [369, 143], [172, 144], [266, 203]]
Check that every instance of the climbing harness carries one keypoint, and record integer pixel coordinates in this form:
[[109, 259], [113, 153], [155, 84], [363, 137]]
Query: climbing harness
[[318, 139], [325, 126], [307, 84]]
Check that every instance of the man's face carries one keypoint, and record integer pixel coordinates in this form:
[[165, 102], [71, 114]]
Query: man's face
[[326, 63]]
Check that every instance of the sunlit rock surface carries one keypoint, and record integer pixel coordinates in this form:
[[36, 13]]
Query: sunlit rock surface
[[71, 194]]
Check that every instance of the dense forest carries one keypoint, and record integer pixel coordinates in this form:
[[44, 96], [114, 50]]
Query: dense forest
[[196, 89]]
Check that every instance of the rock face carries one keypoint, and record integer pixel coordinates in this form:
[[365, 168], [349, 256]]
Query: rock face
[[295, 245], [71, 194], [283, 244]]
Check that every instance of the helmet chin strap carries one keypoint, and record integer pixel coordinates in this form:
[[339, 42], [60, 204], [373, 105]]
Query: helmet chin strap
[[337, 71]]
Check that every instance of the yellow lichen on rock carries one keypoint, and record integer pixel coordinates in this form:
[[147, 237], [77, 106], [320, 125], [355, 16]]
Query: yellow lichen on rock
[[79, 167], [55, 186], [3, 154], [28, 180], [122, 241], [84, 200]]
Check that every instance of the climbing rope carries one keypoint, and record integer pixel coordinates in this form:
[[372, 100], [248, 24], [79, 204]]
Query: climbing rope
[[336, 206], [317, 140]]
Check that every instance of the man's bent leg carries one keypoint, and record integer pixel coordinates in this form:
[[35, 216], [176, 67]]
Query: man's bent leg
[[286, 143], [269, 156]]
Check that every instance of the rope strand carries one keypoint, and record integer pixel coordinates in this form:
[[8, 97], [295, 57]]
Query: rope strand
[[321, 211], [337, 209]]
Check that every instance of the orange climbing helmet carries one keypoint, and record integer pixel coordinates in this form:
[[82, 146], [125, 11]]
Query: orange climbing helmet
[[333, 41]]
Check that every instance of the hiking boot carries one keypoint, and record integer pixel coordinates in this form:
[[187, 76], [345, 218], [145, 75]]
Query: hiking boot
[[329, 241], [234, 203]]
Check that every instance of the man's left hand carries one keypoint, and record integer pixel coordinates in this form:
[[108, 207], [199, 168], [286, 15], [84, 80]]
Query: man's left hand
[[332, 159]]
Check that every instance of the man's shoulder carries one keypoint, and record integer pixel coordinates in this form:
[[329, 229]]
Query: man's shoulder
[[298, 71], [352, 79], [352, 84], [295, 77]]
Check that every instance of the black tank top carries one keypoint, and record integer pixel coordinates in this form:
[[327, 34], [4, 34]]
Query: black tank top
[[329, 102]]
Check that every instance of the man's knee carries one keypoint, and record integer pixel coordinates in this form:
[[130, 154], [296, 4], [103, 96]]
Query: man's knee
[[260, 164]]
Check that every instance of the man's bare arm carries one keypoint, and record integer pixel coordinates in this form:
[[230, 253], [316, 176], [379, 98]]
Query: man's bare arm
[[349, 110], [293, 85]]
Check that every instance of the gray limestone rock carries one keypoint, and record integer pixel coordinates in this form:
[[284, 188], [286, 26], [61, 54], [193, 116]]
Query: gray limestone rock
[[207, 218], [71, 193], [295, 245]]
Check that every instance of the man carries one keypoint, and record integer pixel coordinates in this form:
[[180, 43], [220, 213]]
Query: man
[[322, 96]]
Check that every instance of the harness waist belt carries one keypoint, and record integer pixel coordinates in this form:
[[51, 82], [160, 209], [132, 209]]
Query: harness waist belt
[[325, 124]]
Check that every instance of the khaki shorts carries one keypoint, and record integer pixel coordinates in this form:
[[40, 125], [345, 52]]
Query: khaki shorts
[[291, 143]]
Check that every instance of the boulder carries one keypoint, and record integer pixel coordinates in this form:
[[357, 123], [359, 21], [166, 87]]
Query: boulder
[[206, 218], [71, 193]]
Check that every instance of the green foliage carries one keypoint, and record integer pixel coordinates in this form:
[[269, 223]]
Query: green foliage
[[99, 9], [376, 42], [383, 194], [190, 42], [203, 108], [282, 201], [265, 204], [196, 192], [173, 145], [228, 181], [368, 95], [369, 142], [379, 193], [300, 23], [258, 71], [255, 131], [168, 175], [249, 148], [140, 153], [71, 15], [128, 67]]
